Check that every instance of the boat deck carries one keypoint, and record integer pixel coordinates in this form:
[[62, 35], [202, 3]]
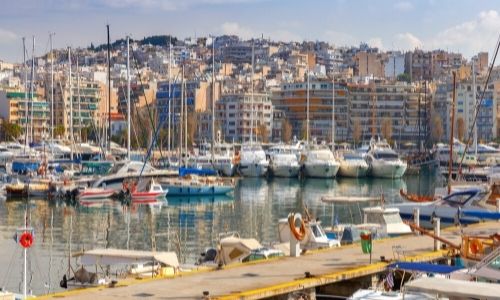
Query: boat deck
[[282, 275]]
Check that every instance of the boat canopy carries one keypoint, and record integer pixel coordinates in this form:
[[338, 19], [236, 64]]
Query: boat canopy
[[454, 288], [121, 256], [348, 199], [423, 267], [235, 249]]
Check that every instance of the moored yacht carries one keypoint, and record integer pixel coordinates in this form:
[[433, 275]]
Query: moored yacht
[[319, 162], [223, 159], [252, 161], [353, 164], [383, 161], [283, 162]]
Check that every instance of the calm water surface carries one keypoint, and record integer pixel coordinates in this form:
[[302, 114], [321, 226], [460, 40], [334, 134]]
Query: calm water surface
[[184, 225]]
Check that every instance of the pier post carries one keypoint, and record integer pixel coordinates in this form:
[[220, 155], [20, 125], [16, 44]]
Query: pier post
[[294, 247], [416, 219], [437, 232]]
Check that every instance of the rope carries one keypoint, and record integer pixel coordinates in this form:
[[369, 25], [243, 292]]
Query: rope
[[478, 104]]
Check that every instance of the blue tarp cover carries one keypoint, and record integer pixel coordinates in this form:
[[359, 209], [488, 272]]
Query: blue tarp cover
[[423, 267], [203, 172], [482, 214]]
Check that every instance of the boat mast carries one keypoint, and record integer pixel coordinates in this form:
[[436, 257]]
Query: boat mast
[[251, 91], [169, 92], [307, 113], [475, 104], [70, 104], [51, 93], [25, 95], [79, 102], [213, 100], [109, 92], [185, 121], [450, 163], [181, 115], [32, 88], [128, 97], [333, 112]]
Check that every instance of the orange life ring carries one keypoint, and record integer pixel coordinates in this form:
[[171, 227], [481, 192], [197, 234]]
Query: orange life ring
[[298, 234], [26, 239], [476, 246]]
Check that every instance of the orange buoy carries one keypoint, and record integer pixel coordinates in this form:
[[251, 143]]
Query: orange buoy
[[476, 246], [26, 239], [299, 234]]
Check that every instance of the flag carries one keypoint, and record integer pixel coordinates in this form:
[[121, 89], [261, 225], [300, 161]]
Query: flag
[[389, 279]]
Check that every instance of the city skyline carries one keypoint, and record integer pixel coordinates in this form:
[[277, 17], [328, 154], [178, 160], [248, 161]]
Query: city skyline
[[458, 26]]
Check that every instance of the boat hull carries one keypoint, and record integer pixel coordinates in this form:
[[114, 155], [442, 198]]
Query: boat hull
[[284, 170], [253, 169], [387, 169], [321, 170], [96, 194], [148, 196], [186, 190], [353, 170]]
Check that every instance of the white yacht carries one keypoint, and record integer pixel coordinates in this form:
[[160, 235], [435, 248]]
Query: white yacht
[[252, 161], [383, 161], [353, 164], [283, 161], [319, 162], [129, 170], [224, 161]]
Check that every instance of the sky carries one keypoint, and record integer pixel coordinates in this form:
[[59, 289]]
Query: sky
[[466, 26]]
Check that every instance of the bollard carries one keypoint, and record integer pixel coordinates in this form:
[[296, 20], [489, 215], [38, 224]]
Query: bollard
[[437, 233], [294, 247], [416, 218], [206, 295]]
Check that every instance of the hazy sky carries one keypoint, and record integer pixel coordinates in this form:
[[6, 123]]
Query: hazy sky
[[467, 26]]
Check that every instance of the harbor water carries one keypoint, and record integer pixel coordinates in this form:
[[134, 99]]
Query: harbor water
[[184, 225]]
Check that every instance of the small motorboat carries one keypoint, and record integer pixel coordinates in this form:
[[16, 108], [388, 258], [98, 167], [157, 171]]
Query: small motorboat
[[95, 193], [16, 188], [147, 191]]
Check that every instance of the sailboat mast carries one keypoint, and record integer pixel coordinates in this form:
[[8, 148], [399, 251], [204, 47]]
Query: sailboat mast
[[181, 115], [252, 100], [213, 99], [32, 88], [450, 163], [109, 92], [333, 112], [51, 93], [70, 103], [25, 95], [169, 93], [185, 120], [307, 113], [475, 104], [128, 97], [79, 101]]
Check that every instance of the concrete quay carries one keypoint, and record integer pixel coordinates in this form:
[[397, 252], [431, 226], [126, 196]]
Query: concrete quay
[[283, 276]]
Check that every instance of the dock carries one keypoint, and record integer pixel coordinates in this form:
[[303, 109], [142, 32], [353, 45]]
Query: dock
[[321, 270]]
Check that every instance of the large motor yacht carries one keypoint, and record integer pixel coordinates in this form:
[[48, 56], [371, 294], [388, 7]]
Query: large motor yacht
[[319, 162], [252, 161], [283, 161], [353, 164], [223, 159], [383, 161]]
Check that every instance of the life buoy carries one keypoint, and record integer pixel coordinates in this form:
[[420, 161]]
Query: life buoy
[[476, 246], [26, 239], [298, 234]]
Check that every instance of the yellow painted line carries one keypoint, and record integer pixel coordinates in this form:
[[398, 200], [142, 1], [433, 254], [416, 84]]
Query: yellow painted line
[[318, 280]]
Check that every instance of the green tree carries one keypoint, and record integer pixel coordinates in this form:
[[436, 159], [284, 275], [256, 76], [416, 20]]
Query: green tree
[[404, 77], [263, 133], [11, 131], [286, 131], [59, 131], [357, 131]]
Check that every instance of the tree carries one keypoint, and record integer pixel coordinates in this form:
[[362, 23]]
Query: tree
[[11, 131], [263, 133], [404, 77], [286, 131], [192, 127], [460, 128], [437, 129], [357, 131], [59, 131], [303, 130], [387, 129]]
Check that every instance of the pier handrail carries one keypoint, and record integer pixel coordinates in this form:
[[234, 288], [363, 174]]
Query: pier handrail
[[425, 232]]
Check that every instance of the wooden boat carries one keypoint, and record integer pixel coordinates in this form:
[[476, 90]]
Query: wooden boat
[[95, 193], [415, 198]]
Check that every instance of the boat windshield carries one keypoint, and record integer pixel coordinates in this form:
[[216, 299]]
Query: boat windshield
[[460, 199], [386, 155]]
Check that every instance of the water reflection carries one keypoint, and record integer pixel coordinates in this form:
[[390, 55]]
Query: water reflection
[[186, 225]]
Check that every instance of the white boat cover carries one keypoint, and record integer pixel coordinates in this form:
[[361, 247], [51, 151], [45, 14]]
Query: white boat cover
[[120, 256], [455, 288], [348, 199], [235, 249]]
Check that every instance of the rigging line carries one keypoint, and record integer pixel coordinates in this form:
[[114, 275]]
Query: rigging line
[[146, 100], [478, 104]]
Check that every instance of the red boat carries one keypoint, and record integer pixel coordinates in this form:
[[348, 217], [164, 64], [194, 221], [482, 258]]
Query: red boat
[[95, 193], [147, 192]]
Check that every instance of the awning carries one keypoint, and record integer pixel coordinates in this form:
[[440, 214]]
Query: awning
[[423, 267], [119, 256], [454, 288], [348, 199]]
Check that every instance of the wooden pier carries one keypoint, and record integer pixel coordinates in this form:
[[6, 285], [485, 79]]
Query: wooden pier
[[277, 278]]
